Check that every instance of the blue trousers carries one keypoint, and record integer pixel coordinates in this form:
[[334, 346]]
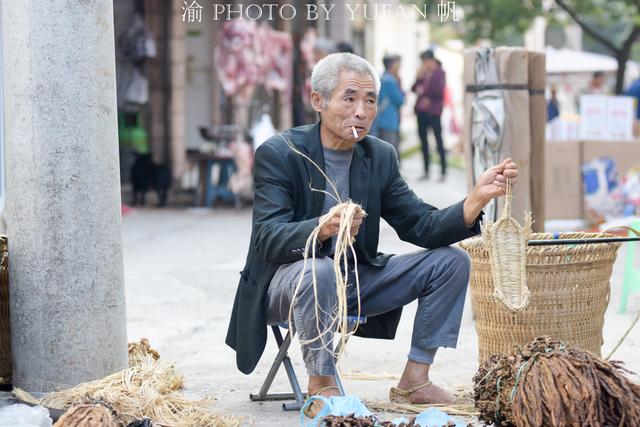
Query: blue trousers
[[437, 278]]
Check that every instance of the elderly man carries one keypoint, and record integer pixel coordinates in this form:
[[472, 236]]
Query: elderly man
[[365, 170]]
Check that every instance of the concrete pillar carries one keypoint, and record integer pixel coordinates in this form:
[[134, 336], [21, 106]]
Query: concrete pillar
[[68, 320]]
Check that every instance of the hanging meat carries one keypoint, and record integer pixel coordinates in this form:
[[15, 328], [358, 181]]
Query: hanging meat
[[237, 59], [251, 54], [277, 56]]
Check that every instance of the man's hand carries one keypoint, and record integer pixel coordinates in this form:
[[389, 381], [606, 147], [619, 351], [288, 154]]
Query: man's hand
[[331, 228], [491, 184]]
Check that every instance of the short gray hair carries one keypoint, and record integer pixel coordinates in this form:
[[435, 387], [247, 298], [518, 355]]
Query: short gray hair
[[324, 78]]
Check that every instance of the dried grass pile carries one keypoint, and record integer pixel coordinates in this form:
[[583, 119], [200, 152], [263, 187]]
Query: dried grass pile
[[139, 351], [147, 389], [547, 383]]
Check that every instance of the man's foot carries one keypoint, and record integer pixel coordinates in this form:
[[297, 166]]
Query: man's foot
[[415, 387], [442, 178], [421, 393], [424, 177], [320, 386], [326, 391]]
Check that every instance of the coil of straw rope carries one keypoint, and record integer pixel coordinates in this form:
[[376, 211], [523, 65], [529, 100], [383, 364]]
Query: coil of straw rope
[[507, 242], [343, 248]]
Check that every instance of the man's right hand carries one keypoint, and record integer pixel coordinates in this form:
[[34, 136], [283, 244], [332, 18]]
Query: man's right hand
[[331, 227]]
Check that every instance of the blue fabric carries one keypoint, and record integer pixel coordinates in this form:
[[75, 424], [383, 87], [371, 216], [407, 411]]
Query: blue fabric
[[634, 90], [390, 100], [335, 405], [434, 417], [552, 110]]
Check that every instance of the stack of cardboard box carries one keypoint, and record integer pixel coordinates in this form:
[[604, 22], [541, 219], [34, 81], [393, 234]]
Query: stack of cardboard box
[[563, 172]]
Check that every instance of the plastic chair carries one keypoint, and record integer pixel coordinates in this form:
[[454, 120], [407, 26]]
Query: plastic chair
[[631, 281]]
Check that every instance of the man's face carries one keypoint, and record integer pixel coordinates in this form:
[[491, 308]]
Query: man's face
[[395, 67], [353, 103], [598, 81]]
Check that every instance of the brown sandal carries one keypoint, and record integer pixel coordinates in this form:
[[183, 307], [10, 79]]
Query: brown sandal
[[312, 410], [397, 395]]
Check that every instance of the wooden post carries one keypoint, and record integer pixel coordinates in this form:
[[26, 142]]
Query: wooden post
[[538, 120]]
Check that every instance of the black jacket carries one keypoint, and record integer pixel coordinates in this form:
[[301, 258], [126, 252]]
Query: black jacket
[[286, 211]]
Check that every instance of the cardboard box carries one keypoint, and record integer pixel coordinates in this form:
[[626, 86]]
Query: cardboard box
[[625, 154], [622, 117], [594, 120], [563, 180], [607, 118], [563, 172]]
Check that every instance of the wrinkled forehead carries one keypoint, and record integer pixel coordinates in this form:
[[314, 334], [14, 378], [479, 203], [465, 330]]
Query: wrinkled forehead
[[353, 83]]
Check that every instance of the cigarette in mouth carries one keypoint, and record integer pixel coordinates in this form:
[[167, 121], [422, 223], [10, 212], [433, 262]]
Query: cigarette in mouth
[[355, 133]]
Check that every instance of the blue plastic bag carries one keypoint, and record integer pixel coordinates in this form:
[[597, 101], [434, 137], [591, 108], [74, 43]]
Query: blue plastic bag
[[348, 405], [335, 405], [434, 417]]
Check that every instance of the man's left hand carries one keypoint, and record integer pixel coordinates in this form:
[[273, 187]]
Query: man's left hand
[[491, 183]]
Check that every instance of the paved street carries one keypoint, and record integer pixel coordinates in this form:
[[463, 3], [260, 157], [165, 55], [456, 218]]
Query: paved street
[[181, 272]]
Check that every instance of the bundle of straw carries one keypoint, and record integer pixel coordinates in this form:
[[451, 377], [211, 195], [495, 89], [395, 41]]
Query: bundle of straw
[[138, 352], [550, 384], [347, 209], [147, 389]]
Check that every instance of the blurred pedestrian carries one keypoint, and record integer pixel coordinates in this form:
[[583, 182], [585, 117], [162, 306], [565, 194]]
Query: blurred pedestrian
[[553, 106], [597, 85], [634, 91], [323, 47], [345, 47], [430, 86], [390, 100]]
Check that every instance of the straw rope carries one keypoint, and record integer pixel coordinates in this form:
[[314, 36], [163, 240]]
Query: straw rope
[[507, 243], [624, 337], [462, 409], [344, 246]]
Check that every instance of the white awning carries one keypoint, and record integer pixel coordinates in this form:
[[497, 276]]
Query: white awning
[[566, 61]]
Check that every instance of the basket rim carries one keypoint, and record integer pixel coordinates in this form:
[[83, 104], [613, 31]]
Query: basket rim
[[476, 243]]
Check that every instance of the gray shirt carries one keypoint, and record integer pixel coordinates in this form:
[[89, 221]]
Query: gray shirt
[[336, 165]]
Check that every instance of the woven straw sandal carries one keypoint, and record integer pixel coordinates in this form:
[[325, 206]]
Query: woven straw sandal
[[506, 241], [398, 395], [312, 410]]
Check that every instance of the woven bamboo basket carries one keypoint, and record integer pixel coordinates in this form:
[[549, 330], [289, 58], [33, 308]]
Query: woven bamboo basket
[[5, 331], [569, 287]]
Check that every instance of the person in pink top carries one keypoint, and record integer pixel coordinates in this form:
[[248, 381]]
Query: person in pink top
[[430, 87]]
